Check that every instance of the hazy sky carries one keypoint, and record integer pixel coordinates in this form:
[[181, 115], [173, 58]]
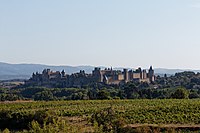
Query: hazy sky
[[126, 33]]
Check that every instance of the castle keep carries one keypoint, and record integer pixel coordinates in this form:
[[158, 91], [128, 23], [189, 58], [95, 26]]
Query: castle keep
[[107, 76]]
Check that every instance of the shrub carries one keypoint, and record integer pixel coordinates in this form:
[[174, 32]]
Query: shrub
[[15, 120], [108, 120], [180, 93]]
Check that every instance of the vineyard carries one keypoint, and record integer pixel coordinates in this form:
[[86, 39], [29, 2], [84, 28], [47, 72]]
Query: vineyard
[[23, 116]]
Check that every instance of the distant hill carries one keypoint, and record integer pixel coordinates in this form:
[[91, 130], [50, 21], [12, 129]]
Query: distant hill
[[24, 71], [162, 71]]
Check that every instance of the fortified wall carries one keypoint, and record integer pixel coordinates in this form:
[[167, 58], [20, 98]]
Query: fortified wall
[[107, 76]]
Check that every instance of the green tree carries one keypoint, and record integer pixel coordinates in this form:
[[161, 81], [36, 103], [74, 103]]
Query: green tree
[[180, 93], [129, 90], [103, 94], [109, 120], [44, 95], [193, 94]]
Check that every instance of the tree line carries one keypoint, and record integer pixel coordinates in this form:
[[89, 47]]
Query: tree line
[[181, 85]]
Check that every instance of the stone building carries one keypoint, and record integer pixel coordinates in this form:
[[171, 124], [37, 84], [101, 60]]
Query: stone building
[[110, 76], [49, 78]]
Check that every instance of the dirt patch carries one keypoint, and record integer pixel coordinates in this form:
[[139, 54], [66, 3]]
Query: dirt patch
[[189, 127], [18, 101], [80, 122]]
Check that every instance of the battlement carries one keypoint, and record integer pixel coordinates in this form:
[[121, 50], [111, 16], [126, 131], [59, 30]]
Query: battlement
[[106, 76]]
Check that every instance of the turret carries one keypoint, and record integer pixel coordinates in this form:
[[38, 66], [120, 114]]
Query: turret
[[151, 74], [48, 71], [126, 75], [144, 74], [63, 73], [96, 73], [33, 76]]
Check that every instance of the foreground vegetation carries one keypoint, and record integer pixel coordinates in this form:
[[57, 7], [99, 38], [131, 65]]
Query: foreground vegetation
[[98, 115], [170, 104]]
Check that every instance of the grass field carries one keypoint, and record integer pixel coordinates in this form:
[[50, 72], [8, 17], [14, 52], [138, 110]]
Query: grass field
[[136, 113]]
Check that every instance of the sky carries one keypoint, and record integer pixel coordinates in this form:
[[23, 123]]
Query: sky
[[118, 33]]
